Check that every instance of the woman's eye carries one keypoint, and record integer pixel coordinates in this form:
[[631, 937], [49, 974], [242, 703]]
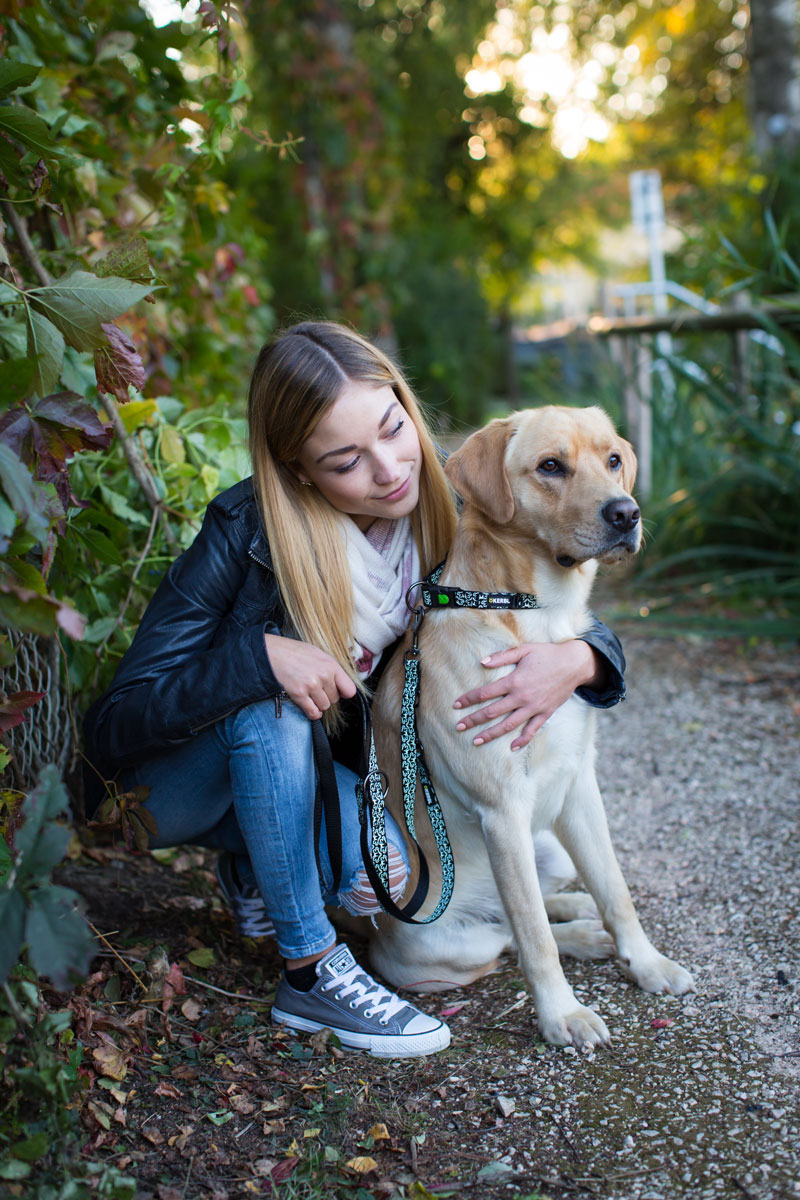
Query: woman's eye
[[397, 428], [615, 462], [347, 467]]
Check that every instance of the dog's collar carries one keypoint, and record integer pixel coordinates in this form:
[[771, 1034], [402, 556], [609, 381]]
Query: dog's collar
[[432, 594]]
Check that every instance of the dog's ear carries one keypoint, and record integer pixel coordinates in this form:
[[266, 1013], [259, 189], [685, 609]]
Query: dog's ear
[[477, 471], [629, 466]]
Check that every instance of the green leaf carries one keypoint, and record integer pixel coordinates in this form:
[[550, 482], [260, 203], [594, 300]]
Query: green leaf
[[23, 125], [48, 852], [47, 801], [27, 500], [15, 75], [46, 346], [33, 1148], [14, 1169], [204, 957], [128, 260], [220, 1118], [99, 545], [60, 945], [79, 303], [12, 923], [16, 374]]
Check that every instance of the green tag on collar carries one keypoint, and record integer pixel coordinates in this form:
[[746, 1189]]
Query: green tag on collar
[[443, 599]]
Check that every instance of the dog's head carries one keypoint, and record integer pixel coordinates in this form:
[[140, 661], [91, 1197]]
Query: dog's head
[[560, 475]]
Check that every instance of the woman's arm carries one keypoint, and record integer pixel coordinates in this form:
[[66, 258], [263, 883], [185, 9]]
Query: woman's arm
[[545, 675], [178, 676]]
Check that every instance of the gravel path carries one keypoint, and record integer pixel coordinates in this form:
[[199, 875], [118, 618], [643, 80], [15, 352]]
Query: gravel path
[[700, 770]]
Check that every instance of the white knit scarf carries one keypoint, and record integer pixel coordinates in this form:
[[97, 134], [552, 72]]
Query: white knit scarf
[[383, 563]]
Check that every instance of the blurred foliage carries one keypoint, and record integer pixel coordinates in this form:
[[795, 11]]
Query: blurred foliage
[[115, 191]]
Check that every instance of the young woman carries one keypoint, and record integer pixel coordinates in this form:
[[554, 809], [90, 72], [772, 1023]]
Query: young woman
[[281, 609]]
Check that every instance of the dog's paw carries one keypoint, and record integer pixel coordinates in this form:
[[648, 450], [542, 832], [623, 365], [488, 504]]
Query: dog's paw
[[583, 939], [581, 1028], [659, 974], [571, 906]]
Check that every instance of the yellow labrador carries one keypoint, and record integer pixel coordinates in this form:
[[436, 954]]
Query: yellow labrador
[[547, 495]]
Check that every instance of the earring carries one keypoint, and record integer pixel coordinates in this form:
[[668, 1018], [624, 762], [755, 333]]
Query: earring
[[306, 483]]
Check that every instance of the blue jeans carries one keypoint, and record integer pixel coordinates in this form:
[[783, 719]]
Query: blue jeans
[[246, 785]]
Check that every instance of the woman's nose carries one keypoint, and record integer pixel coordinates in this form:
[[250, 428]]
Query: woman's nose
[[387, 468]]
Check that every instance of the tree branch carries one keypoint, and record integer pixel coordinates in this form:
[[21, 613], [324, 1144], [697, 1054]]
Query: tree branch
[[27, 247]]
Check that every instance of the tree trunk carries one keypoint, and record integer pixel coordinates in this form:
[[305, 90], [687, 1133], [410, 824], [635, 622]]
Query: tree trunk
[[775, 76]]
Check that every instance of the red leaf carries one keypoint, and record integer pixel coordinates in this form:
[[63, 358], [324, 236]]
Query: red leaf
[[48, 435], [11, 709], [283, 1170], [118, 364], [661, 1022]]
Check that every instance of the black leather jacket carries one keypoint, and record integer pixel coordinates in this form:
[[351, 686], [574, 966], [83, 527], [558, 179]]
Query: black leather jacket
[[199, 652]]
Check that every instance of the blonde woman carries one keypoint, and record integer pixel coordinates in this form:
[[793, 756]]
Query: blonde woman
[[285, 604]]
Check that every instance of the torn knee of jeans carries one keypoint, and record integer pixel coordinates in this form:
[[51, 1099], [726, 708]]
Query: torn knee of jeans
[[360, 899]]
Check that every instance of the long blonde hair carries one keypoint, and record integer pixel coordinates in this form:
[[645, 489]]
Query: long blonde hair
[[298, 376]]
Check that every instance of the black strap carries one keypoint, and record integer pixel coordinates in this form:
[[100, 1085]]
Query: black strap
[[326, 798], [371, 794]]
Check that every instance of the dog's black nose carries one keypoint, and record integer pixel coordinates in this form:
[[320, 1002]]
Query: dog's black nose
[[621, 514]]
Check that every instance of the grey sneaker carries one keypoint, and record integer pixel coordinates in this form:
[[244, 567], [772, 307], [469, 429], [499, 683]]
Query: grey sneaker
[[361, 1013], [248, 907]]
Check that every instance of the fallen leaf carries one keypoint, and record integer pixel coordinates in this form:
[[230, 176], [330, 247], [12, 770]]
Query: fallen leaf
[[219, 1118], [493, 1170], [110, 1059], [452, 1010], [242, 1105], [284, 1169], [165, 1088], [662, 1022], [179, 1140], [311, 1133], [378, 1131], [153, 1136], [184, 1071], [264, 1166], [319, 1040], [362, 1165], [191, 1009], [204, 957], [165, 1192]]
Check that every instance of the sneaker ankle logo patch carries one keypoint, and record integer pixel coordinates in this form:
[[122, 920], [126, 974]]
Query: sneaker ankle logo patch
[[341, 961]]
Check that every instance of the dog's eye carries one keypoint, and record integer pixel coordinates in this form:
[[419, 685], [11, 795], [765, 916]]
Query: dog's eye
[[551, 466], [615, 462]]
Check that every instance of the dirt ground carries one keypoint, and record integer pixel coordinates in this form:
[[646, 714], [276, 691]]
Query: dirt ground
[[697, 1097]]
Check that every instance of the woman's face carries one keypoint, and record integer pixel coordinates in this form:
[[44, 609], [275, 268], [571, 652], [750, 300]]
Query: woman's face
[[364, 455]]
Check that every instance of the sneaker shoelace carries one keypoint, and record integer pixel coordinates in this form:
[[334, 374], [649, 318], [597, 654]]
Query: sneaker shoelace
[[382, 1003], [251, 912]]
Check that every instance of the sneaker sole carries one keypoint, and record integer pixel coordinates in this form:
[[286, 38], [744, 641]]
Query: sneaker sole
[[390, 1046]]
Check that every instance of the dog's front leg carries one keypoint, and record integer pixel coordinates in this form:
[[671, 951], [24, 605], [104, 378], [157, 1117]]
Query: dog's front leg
[[583, 830], [561, 1018]]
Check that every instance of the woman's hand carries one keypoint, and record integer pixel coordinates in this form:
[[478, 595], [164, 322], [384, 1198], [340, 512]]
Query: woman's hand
[[545, 676], [309, 676]]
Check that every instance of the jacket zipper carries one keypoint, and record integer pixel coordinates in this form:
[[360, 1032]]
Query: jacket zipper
[[206, 724], [260, 561]]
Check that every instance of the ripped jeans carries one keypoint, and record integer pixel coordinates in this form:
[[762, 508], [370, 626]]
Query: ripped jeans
[[246, 785]]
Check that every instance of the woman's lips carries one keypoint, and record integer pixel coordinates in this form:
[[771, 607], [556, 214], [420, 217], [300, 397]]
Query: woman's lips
[[398, 493]]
